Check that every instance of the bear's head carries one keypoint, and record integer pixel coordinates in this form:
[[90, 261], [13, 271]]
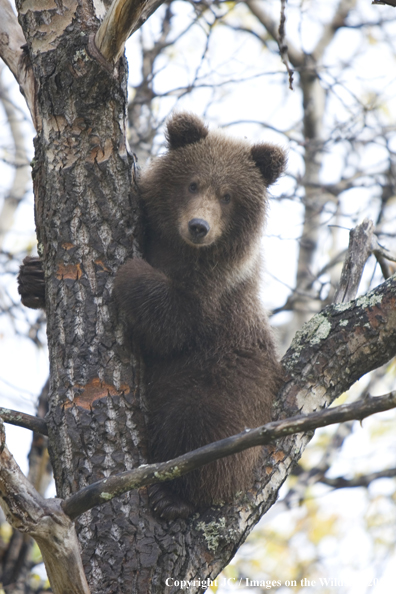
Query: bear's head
[[208, 189]]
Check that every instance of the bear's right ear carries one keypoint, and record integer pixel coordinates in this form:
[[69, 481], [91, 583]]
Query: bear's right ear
[[270, 159], [184, 128]]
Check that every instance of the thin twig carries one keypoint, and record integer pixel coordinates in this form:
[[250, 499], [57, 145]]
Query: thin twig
[[283, 49]]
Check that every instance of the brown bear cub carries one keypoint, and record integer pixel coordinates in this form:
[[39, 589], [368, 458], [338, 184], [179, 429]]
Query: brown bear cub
[[193, 305]]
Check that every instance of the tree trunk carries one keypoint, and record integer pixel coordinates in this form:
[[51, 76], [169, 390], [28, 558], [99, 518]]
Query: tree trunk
[[85, 215]]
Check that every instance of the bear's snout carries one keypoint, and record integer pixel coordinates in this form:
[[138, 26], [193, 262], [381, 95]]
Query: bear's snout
[[198, 228], [201, 220]]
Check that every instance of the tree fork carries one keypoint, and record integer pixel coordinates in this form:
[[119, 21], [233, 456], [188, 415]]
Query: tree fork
[[43, 519]]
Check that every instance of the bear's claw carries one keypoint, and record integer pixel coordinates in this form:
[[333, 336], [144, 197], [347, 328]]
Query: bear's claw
[[166, 504], [31, 284]]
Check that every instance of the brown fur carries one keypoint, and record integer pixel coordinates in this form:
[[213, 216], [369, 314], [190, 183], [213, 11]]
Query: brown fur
[[211, 367]]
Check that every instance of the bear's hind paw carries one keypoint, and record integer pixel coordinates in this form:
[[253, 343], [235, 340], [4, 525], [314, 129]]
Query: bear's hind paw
[[166, 504]]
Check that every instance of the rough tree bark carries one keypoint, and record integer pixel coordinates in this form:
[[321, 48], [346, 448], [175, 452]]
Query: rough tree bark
[[86, 218]]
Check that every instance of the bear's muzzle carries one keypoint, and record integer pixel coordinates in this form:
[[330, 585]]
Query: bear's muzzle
[[198, 229]]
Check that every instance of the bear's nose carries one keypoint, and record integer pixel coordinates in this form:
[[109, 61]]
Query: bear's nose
[[198, 228]]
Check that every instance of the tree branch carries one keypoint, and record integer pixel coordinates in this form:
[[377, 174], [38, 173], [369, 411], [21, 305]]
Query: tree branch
[[104, 490], [45, 520], [12, 42], [385, 2], [11, 38], [337, 346], [123, 18], [22, 176], [382, 254], [359, 481], [340, 15], [283, 48], [20, 419]]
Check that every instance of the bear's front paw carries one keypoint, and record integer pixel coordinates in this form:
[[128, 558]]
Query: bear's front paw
[[132, 269], [167, 505], [31, 284]]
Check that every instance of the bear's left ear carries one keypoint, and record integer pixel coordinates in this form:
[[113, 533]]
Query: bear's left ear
[[184, 128], [270, 159]]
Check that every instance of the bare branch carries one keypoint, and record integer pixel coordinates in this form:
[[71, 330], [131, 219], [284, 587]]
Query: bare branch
[[337, 346], [385, 2], [123, 18], [106, 489], [22, 175], [340, 15], [12, 42], [20, 419], [360, 481], [45, 520], [359, 249], [11, 38], [282, 43], [296, 57], [383, 255], [385, 268]]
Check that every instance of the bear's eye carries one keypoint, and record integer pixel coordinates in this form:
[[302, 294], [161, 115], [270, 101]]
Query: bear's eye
[[226, 199], [193, 187]]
